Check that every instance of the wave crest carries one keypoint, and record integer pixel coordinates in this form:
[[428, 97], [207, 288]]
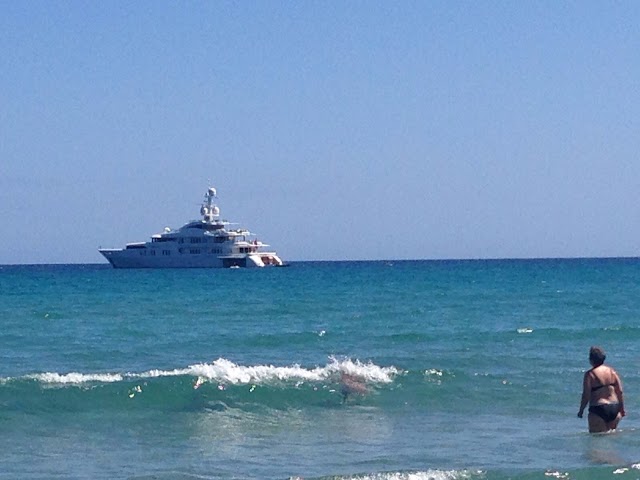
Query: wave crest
[[419, 475], [74, 378], [225, 371]]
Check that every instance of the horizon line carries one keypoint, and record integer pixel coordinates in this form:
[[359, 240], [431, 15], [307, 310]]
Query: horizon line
[[461, 259]]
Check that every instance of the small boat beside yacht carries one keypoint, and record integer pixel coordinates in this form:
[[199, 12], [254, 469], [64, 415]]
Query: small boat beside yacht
[[204, 243]]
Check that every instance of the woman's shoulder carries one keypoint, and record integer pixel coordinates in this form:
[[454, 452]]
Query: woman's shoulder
[[613, 371], [611, 374]]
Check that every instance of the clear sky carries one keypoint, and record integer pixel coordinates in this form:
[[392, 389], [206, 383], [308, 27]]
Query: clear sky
[[333, 129]]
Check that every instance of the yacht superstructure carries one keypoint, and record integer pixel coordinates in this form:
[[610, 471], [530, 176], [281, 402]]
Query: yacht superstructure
[[204, 243]]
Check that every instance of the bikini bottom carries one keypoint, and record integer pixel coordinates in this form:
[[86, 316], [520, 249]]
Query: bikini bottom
[[606, 411]]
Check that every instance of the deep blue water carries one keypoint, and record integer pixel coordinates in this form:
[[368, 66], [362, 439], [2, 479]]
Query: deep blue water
[[472, 369]]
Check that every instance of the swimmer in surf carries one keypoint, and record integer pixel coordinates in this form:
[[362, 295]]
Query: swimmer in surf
[[352, 384], [602, 390]]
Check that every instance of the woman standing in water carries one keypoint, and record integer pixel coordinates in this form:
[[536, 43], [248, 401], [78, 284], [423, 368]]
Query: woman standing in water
[[602, 390]]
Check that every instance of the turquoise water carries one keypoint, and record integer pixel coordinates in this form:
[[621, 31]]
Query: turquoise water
[[472, 369]]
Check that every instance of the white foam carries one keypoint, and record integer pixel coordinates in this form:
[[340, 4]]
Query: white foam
[[75, 378], [556, 474], [425, 475], [366, 371], [227, 372], [161, 373], [434, 375]]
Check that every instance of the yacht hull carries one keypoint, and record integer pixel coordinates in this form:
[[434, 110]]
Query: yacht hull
[[121, 258]]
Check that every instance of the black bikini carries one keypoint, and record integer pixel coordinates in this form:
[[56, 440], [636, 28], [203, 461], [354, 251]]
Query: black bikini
[[606, 411], [593, 389]]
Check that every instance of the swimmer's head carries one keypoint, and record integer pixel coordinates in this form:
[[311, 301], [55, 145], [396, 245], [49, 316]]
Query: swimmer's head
[[596, 356]]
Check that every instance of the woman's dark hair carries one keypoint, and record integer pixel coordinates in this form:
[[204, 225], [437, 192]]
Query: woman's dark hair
[[597, 356]]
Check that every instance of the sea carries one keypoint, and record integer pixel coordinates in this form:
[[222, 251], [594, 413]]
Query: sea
[[385, 370]]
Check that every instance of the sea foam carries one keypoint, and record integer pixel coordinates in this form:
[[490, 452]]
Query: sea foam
[[75, 378], [225, 371], [420, 475]]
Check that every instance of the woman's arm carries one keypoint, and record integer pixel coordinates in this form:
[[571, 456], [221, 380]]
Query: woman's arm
[[586, 390], [618, 389]]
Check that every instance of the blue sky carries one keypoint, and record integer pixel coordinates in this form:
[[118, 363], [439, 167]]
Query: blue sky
[[334, 130]]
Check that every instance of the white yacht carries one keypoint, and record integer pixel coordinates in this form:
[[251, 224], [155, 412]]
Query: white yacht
[[205, 243]]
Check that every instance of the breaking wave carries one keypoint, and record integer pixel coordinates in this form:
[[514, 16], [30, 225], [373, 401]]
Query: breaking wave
[[198, 386], [225, 371]]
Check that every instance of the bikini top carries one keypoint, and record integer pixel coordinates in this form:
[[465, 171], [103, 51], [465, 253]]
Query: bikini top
[[598, 387], [602, 385]]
